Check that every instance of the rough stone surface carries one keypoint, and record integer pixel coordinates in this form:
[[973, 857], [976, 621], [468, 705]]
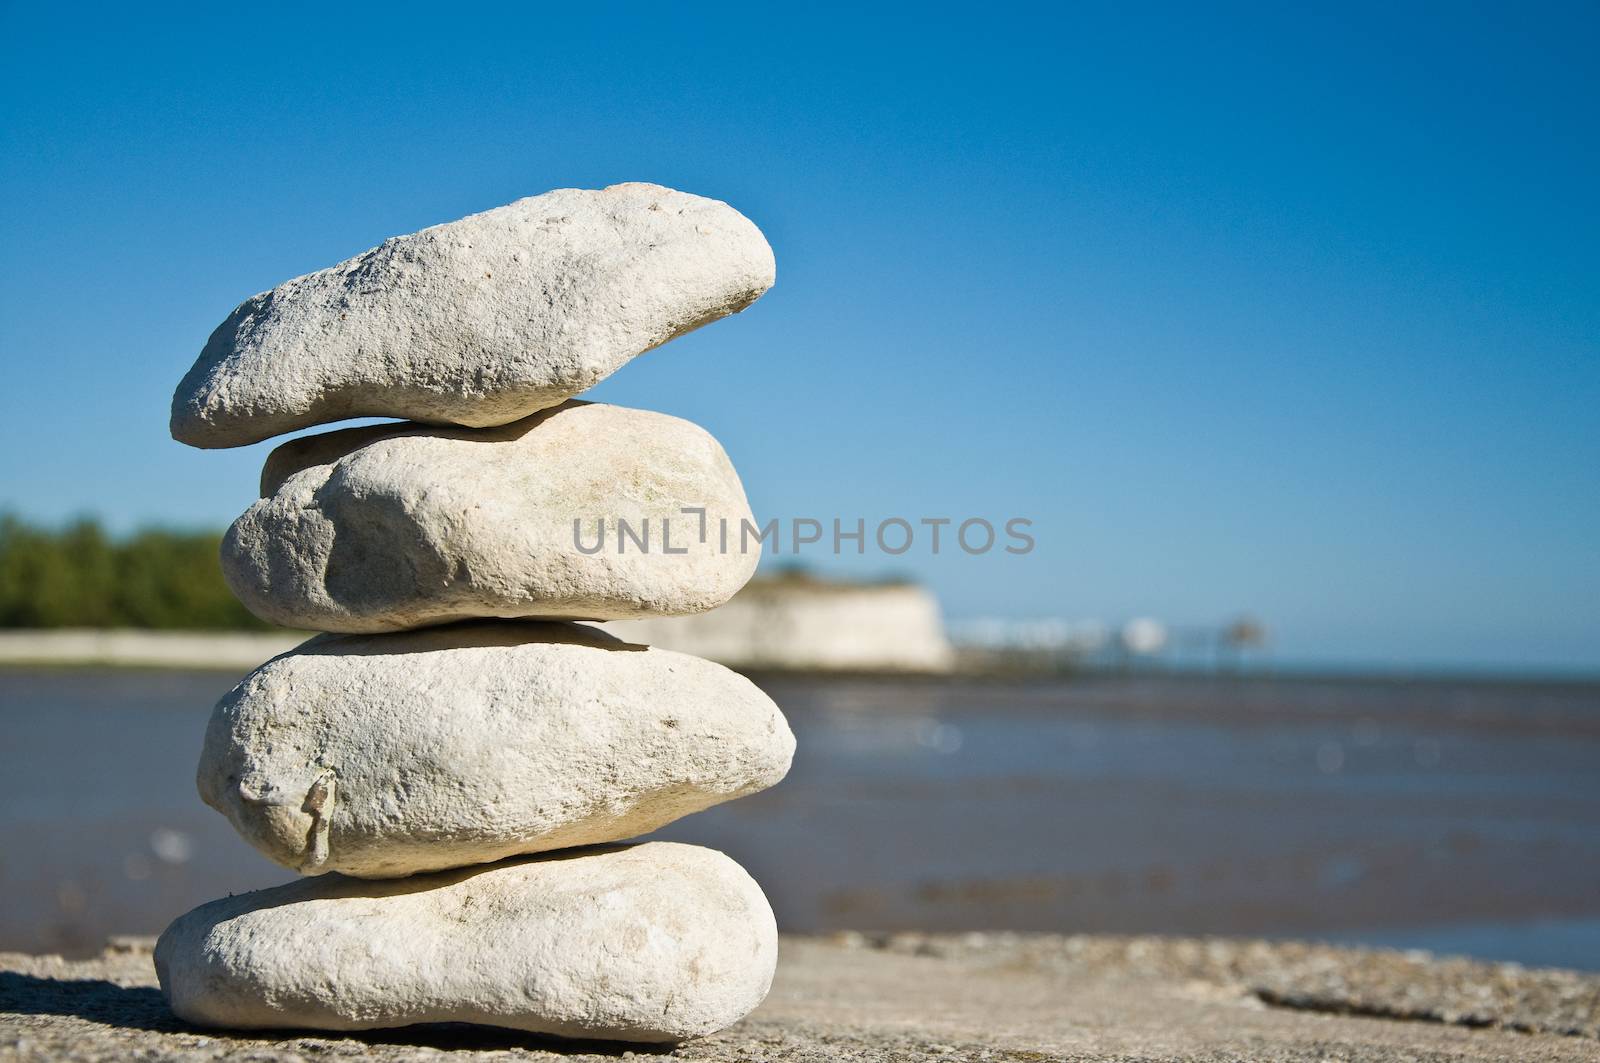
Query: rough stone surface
[[386, 528], [1001, 998], [656, 942], [383, 755], [477, 322]]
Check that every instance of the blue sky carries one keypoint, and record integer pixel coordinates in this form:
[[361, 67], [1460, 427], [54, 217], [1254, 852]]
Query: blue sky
[[1247, 309]]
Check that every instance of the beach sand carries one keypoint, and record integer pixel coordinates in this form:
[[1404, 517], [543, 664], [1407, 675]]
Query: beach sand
[[995, 997]]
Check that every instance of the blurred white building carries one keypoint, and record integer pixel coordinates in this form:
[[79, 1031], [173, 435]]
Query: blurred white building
[[802, 622]]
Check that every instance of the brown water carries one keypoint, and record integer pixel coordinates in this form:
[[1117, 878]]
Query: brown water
[[1462, 816]]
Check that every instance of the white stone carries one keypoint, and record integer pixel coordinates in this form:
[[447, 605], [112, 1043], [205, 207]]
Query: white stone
[[382, 529], [385, 755], [657, 942], [477, 322]]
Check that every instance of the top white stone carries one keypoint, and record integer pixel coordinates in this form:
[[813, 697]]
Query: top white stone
[[477, 322]]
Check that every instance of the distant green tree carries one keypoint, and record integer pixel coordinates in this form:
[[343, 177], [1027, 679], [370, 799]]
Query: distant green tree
[[78, 576]]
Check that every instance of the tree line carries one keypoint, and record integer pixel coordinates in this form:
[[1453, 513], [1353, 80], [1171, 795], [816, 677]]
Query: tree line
[[79, 575]]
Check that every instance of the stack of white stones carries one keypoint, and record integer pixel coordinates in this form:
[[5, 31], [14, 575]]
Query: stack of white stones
[[455, 720]]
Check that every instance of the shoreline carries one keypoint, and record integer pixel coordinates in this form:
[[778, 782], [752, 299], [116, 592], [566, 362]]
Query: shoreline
[[241, 651], [143, 648]]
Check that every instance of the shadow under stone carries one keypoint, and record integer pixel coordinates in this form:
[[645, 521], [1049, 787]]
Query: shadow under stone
[[96, 1000], [143, 1008]]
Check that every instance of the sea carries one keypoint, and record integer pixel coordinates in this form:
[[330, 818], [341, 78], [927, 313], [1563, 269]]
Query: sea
[[1458, 816]]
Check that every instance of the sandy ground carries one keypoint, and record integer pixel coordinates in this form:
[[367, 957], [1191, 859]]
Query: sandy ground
[[996, 997]]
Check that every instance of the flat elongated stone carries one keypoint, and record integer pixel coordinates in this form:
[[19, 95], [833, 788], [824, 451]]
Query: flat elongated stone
[[381, 529], [657, 942], [384, 755], [477, 322]]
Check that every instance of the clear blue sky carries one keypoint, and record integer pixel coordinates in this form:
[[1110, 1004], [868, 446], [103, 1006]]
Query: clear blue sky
[[1250, 310]]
